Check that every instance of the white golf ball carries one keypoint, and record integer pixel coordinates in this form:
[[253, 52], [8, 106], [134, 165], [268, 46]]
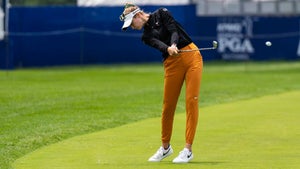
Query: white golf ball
[[268, 43]]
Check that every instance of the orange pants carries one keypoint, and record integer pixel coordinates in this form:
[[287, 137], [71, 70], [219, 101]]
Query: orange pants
[[187, 66]]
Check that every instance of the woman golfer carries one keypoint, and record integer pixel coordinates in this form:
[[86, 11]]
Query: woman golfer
[[162, 32]]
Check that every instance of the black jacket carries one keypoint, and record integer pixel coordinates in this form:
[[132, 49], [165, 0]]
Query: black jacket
[[161, 31]]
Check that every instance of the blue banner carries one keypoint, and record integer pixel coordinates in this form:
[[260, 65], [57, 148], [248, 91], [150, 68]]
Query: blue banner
[[244, 38], [47, 36]]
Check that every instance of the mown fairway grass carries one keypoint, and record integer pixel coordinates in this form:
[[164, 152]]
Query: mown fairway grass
[[259, 133], [43, 106]]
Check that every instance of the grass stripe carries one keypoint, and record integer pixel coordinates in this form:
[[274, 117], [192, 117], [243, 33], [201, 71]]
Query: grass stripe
[[256, 133], [42, 106]]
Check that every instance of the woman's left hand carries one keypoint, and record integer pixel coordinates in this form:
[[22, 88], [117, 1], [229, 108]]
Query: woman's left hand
[[173, 50]]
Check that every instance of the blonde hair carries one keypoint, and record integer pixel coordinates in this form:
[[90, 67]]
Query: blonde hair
[[129, 7]]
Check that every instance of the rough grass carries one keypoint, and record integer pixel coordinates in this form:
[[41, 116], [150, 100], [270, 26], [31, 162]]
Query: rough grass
[[43, 106]]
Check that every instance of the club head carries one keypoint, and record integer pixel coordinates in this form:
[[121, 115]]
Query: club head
[[215, 44]]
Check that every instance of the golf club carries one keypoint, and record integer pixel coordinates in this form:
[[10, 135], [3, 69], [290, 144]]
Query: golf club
[[214, 43]]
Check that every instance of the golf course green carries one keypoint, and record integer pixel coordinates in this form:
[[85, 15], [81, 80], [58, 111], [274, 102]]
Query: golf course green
[[259, 133]]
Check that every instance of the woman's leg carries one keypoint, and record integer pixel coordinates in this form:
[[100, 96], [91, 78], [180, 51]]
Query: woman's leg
[[193, 80], [173, 81]]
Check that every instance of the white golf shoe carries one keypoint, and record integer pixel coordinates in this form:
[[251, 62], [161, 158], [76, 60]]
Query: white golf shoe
[[161, 154], [184, 156]]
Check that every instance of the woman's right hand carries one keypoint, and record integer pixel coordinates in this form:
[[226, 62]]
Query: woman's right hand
[[173, 50]]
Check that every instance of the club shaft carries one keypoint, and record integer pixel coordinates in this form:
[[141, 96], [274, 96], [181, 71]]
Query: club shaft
[[191, 50]]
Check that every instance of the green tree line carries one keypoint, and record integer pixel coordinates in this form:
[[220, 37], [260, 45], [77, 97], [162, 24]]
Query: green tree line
[[41, 2]]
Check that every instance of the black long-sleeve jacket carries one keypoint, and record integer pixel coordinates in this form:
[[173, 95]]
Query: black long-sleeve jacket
[[161, 31]]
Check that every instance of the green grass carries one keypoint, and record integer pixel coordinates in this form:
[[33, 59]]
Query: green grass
[[43, 106], [258, 133]]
